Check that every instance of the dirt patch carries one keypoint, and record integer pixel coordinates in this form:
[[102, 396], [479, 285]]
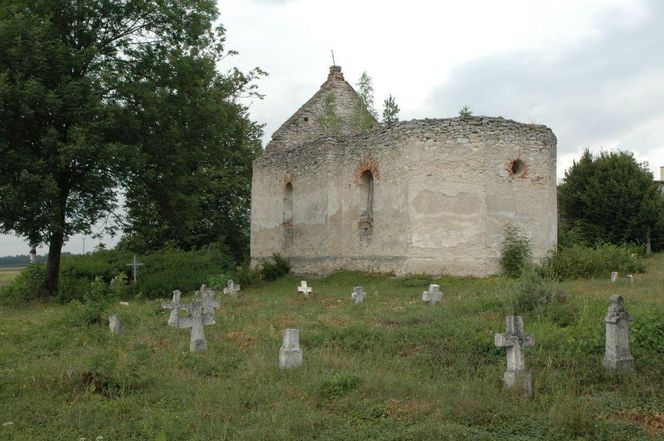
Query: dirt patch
[[651, 422], [243, 341], [404, 409], [332, 321]]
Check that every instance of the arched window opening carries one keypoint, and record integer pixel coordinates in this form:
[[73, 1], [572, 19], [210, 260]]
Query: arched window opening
[[367, 193], [288, 206], [366, 202]]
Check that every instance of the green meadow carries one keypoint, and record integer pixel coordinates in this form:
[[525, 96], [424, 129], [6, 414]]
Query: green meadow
[[392, 368]]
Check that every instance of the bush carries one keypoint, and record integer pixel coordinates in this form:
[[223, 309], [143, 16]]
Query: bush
[[581, 261], [279, 267], [413, 280], [25, 287], [531, 291], [162, 272], [516, 254], [97, 298]]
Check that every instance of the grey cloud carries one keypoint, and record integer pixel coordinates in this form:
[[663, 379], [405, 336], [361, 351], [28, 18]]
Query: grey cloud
[[602, 88]]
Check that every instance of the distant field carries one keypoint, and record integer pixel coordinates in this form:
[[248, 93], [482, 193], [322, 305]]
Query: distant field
[[8, 273]]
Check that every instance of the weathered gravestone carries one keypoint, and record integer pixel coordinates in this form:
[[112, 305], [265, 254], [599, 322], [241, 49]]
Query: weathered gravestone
[[290, 354], [304, 289], [175, 306], [196, 323], [630, 279], [432, 295], [618, 357], [114, 324], [208, 299], [231, 288], [358, 295], [614, 276], [516, 376]]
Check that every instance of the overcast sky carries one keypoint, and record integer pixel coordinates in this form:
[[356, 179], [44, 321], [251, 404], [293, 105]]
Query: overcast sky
[[591, 70]]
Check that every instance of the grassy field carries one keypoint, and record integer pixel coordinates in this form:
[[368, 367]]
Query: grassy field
[[390, 369], [7, 274]]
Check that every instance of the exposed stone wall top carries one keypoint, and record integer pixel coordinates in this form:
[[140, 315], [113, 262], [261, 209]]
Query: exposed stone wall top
[[470, 129]]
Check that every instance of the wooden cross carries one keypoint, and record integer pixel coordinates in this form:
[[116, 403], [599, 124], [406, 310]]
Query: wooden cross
[[304, 289], [433, 295], [174, 306], [515, 340], [358, 295], [196, 322], [231, 288], [135, 266]]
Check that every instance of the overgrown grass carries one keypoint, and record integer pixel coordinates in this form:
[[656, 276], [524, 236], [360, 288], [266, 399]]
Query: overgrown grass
[[392, 368]]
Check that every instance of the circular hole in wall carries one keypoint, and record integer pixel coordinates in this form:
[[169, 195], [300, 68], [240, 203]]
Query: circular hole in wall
[[517, 167]]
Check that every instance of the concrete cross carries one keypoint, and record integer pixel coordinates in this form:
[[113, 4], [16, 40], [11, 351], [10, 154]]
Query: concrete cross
[[516, 375], [196, 322], [209, 300], [231, 288], [614, 276], [135, 266], [433, 295], [304, 289], [358, 295], [618, 358], [174, 306], [290, 354]]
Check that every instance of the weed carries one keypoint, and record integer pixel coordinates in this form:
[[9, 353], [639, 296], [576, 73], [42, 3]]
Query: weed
[[516, 253]]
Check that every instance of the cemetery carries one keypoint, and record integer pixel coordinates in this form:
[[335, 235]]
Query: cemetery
[[274, 364], [348, 275]]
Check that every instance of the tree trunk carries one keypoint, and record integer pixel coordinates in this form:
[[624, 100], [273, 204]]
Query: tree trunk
[[53, 265]]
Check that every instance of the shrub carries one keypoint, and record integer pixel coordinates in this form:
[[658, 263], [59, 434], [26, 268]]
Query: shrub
[[516, 253], [25, 287], [338, 385], [97, 298], [580, 261], [247, 276], [412, 280], [162, 272], [531, 291], [279, 267]]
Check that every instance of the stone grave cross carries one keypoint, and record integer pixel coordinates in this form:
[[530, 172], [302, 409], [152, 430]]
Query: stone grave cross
[[134, 264], [516, 375], [358, 295], [196, 322], [304, 289], [175, 306], [208, 300], [231, 288], [433, 295], [618, 358]]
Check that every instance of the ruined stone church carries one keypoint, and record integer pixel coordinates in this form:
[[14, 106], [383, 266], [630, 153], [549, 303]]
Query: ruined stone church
[[422, 196]]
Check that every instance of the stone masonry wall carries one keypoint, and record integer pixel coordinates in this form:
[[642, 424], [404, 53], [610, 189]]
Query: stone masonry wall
[[443, 191]]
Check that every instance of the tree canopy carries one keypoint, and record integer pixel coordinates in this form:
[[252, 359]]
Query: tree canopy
[[100, 94], [610, 197]]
